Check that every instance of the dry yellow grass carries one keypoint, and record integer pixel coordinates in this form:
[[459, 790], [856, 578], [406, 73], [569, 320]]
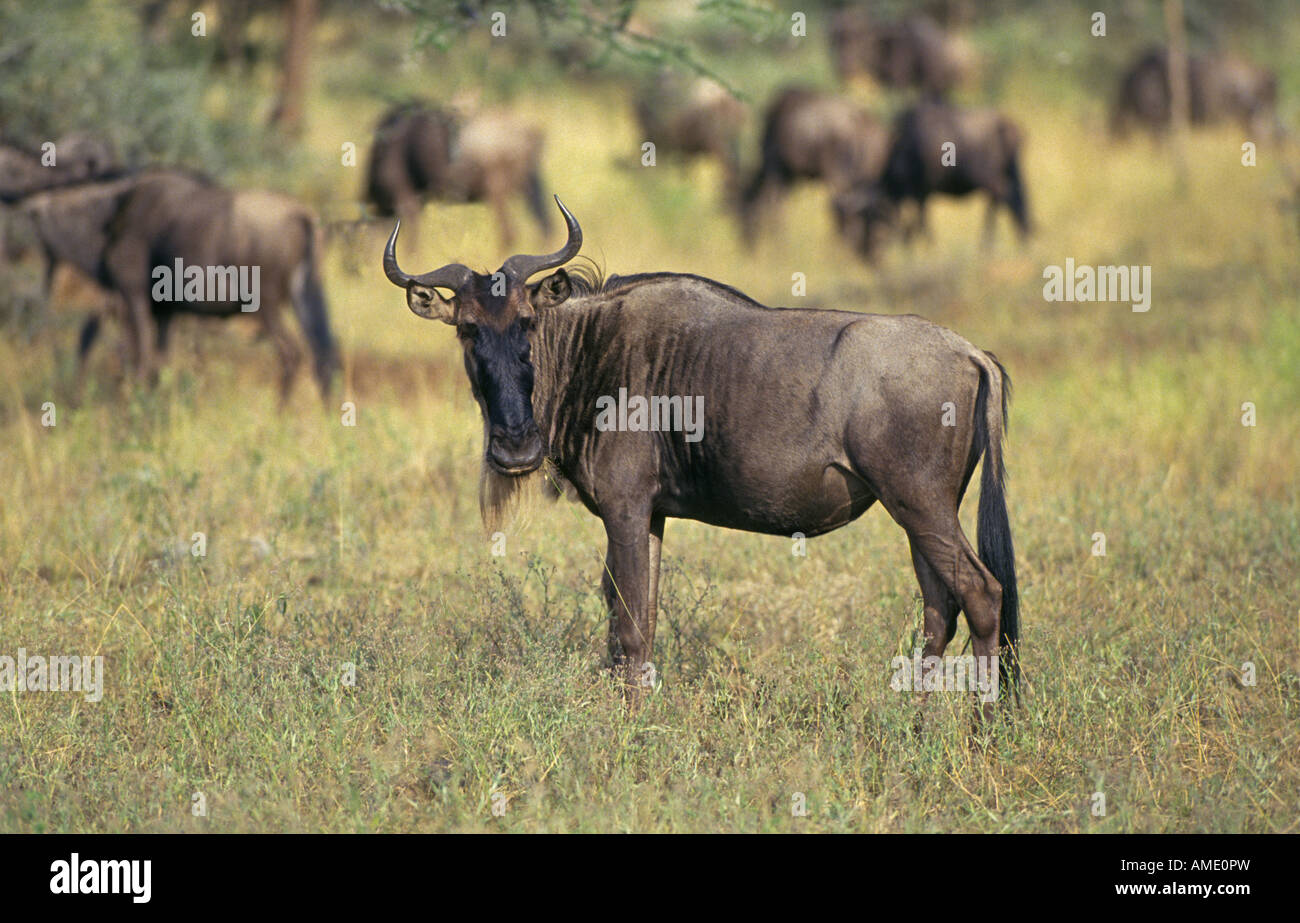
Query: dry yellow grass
[[476, 676]]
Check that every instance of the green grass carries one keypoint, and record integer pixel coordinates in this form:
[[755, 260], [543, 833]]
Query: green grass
[[479, 675]]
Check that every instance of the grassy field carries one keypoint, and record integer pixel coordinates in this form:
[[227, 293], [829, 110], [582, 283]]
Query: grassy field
[[479, 676]]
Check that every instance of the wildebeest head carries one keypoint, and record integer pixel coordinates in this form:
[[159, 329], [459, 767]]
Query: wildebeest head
[[494, 316], [864, 217], [86, 154]]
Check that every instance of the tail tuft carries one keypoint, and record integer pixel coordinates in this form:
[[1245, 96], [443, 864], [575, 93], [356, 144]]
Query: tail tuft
[[313, 315], [996, 549]]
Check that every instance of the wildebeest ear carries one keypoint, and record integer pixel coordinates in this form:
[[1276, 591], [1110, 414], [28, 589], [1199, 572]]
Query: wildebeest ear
[[552, 290], [427, 303]]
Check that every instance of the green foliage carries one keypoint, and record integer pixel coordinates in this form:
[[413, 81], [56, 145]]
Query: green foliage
[[90, 65], [596, 36]]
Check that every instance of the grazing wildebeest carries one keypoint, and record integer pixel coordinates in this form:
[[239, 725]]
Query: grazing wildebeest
[[1218, 88], [71, 225], [912, 52], [124, 232], [984, 156], [812, 135], [802, 420], [696, 118], [424, 153], [76, 157]]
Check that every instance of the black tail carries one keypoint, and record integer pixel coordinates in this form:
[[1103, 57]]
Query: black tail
[[994, 528], [769, 175], [313, 316], [1017, 201], [766, 179], [89, 334], [537, 201]]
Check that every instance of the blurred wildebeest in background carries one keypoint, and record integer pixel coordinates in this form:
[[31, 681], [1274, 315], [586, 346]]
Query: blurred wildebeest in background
[[123, 231], [805, 419], [985, 156], [77, 156], [912, 52], [1218, 88], [693, 118], [808, 134], [71, 226], [423, 153]]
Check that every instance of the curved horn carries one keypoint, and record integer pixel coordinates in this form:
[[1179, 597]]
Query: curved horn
[[452, 276], [522, 266]]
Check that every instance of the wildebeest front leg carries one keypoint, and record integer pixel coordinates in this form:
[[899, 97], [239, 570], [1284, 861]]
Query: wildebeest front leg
[[916, 225], [408, 212], [501, 208], [656, 546], [626, 587], [285, 345], [141, 328], [991, 221]]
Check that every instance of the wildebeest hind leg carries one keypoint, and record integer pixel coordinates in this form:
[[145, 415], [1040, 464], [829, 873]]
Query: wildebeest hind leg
[[940, 618], [285, 345], [140, 328], [991, 222], [161, 335], [941, 607], [940, 540]]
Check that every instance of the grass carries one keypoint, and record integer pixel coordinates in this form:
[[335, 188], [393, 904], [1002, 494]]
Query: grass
[[479, 676]]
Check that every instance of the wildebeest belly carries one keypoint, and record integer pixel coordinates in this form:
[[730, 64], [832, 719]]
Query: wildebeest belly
[[811, 501]]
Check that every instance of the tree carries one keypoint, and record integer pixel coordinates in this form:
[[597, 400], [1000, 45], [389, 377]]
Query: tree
[[301, 18]]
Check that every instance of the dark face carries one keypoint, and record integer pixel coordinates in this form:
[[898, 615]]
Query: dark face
[[494, 318], [863, 218], [498, 360]]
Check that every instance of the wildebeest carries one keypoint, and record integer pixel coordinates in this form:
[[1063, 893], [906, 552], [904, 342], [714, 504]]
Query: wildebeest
[[1218, 88], [938, 149], [805, 419], [912, 52], [71, 225], [134, 233], [808, 134], [75, 157], [693, 118], [421, 153]]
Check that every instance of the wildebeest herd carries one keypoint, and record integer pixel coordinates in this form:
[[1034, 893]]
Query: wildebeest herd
[[801, 438]]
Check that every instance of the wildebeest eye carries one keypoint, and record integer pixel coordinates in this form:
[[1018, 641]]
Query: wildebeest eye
[[467, 331]]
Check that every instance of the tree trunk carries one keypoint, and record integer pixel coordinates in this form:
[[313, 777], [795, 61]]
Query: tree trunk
[[293, 75], [1179, 107]]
